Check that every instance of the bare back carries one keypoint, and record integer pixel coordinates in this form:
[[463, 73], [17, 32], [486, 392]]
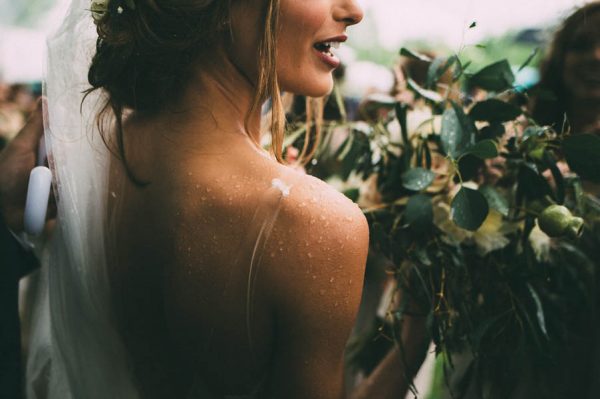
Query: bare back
[[186, 245]]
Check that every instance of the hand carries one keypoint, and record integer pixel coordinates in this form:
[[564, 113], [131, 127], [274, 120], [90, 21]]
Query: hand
[[16, 162]]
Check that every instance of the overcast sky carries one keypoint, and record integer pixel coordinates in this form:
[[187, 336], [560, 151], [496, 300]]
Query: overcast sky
[[388, 22], [446, 20]]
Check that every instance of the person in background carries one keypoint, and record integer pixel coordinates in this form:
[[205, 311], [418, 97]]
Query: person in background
[[568, 94], [16, 261]]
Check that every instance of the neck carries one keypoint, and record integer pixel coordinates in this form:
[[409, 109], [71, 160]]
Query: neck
[[217, 101]]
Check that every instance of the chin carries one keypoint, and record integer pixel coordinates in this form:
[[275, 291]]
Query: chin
[[311, 87]]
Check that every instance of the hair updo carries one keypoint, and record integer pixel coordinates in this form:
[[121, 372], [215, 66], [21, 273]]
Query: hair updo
[[146, 50]]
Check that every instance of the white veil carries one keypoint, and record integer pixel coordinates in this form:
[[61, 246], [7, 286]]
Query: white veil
[[75, 352]]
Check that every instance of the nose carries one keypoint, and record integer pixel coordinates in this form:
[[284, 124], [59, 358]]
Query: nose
[[348, 11]]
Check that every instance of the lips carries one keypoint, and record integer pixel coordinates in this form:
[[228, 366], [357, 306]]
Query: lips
[[324, 50]]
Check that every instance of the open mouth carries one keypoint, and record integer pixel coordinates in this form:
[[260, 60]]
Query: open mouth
[[324, 52], [325, 47]]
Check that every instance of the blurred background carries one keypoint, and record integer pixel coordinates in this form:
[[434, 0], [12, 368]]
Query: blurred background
[[480, 30]]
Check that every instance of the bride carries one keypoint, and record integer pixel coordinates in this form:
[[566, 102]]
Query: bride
[[188, 262]]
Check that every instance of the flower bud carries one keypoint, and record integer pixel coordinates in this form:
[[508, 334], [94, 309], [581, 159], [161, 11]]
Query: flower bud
[[557, 221]]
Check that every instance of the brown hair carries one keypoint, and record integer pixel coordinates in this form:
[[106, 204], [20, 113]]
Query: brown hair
[[552, 96], [144, 58]]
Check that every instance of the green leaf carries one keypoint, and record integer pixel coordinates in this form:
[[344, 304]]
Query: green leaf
[[539, 310], [494, 111], [458, 131], [414, 55], [460, 70], [419, 212], [495, 199], [582, 154], [483, 149], [494, 77], [417, 179], [492, 131], [437, 69], [533, 131], [427, 94], [352, 194], [469, 209], [529, 59]]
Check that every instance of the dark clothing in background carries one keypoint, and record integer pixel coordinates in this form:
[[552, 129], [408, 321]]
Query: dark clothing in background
[[15, 262]]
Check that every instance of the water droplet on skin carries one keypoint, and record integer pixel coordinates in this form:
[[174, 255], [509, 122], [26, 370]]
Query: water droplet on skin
[[314, 277], [302, 204], [313, 200], [350, 282], [272, 254], [312, 221], [189, 173], [280, 249], [203, 198], [331, 280], [349, 219], [197, 186], [114, 195], [238, 186], [208, 189], [310, 255]]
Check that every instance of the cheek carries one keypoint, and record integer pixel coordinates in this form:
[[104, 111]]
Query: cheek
[[302, 24]]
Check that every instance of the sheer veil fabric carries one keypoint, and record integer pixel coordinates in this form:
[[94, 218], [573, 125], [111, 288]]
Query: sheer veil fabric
[[81, 355], [75, 350]]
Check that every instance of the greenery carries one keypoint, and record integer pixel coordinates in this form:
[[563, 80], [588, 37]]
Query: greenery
[[473, 204]]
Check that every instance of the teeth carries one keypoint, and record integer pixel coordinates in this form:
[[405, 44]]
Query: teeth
[[335, 45]]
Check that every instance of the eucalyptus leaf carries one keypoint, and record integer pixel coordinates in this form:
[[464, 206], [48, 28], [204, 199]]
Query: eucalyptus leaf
[[414, 55], [484, 149], [437, 69], [417, 179], [539, 310], [492, 131], [460, 69], [582, 154], [352, 194], [495, 199], [469, 209], [533, 131], [494, 77], [419, 212], [458, 131], [494, 111], [529, 59], [427, 94]]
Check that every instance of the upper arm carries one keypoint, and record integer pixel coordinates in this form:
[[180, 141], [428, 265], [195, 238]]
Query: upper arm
[[318, 253]]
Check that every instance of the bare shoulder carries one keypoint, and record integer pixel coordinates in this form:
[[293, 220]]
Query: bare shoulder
[[317, 252], [317, 217], [315, 262]]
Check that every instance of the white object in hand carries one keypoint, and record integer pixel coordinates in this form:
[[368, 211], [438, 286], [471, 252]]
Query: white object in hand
[[36, 206]]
